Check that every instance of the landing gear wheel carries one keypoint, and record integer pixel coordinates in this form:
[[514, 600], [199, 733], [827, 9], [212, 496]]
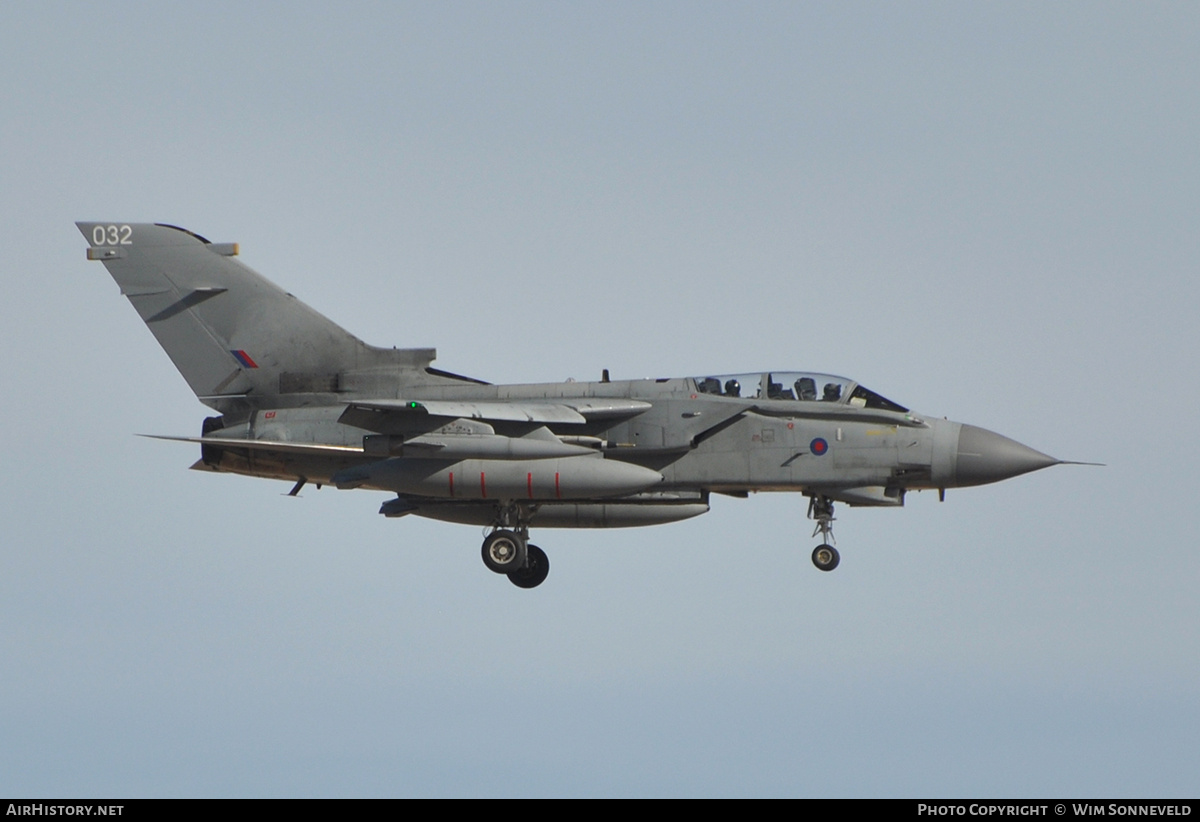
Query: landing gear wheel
[[537, 568], [503, 552], [825, 557]]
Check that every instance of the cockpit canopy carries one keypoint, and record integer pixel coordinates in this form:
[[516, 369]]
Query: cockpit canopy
[[798, 386]]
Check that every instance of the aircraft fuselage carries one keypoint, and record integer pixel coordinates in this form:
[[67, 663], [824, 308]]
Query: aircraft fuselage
[[692, 440]]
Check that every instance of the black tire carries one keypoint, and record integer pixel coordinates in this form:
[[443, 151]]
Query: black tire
[[826, 557], [503, 552], [537, 568]]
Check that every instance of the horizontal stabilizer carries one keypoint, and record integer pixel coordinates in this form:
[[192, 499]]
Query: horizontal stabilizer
[[442, 447], [265, 445]]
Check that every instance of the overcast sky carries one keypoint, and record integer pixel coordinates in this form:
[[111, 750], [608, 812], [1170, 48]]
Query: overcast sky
[[983, 211]]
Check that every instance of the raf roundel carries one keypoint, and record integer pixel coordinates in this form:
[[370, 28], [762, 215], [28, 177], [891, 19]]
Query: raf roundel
[[818, 446]]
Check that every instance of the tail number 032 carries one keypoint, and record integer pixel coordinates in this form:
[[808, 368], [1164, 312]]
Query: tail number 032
[[112, 235]]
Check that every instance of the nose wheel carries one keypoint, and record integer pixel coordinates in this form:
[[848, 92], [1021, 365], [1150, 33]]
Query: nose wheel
[[824, 556]]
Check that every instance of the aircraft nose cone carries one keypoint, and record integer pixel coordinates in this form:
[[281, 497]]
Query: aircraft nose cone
[[984, 456]]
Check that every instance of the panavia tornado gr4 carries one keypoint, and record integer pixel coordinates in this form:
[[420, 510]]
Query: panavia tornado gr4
[[300, 399]]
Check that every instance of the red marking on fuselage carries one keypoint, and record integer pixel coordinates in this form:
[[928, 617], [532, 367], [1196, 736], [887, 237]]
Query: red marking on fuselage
[[482, 486], [529, 483], [557, 490]]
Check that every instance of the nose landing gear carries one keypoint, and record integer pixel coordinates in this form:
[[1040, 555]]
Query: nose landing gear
[[824, 556]]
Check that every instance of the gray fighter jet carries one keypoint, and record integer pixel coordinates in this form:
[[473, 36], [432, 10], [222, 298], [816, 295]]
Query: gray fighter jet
[[301, 399]]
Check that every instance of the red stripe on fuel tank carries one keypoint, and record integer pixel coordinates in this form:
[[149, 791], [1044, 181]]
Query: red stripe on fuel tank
[[451, 483], [529, 483], [482, 486], [557, 490]]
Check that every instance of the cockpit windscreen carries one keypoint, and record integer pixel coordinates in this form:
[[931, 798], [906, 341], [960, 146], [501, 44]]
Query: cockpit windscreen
[[798, 386]]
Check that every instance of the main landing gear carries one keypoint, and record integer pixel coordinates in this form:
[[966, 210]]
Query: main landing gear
[[824, 556], [510, 553], [507, 550]]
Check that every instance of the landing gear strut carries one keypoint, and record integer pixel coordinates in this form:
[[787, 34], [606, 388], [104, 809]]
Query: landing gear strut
[[507, 550], [824, 556]]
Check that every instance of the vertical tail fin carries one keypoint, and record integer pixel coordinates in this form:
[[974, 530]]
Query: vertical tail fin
[[231, 332]]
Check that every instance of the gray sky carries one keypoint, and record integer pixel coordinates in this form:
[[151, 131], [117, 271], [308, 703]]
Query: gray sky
[[983, 211]]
